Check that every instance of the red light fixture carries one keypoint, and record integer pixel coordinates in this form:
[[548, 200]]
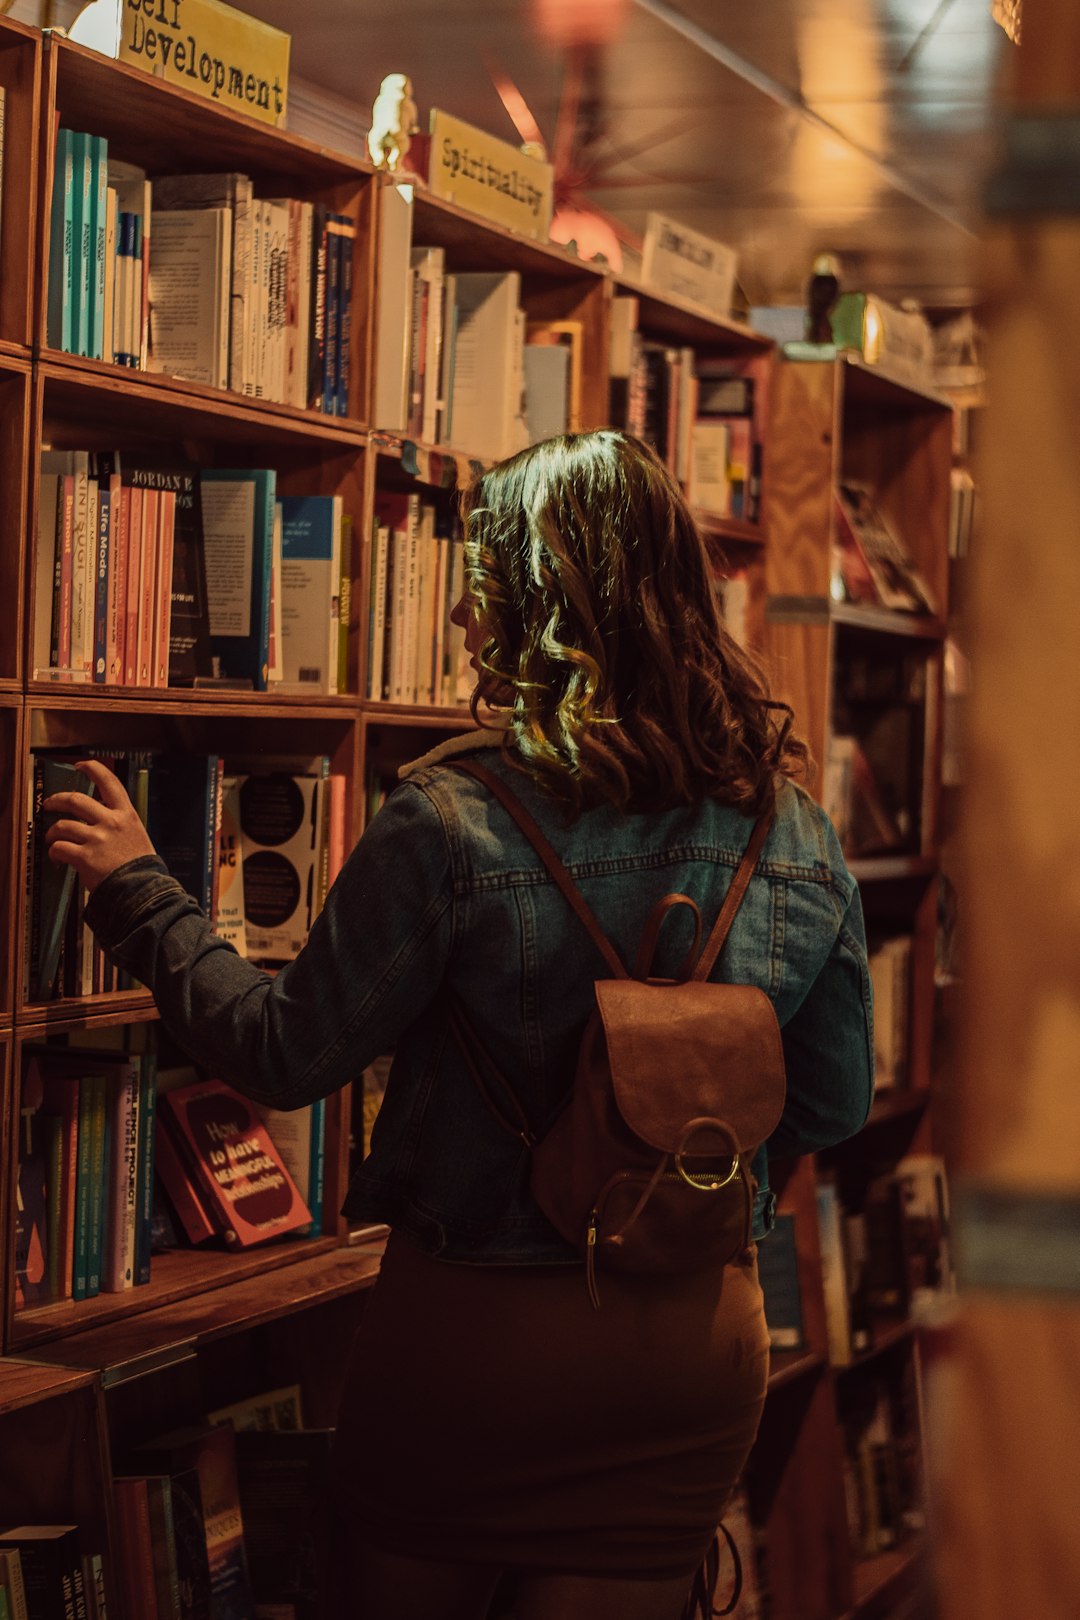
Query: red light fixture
[[568, 23]]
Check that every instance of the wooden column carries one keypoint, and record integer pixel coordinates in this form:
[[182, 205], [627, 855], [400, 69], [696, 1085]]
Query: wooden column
[[1005, 1416]]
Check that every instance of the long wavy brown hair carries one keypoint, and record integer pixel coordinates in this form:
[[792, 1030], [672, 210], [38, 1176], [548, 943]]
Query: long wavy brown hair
[[603, 644]]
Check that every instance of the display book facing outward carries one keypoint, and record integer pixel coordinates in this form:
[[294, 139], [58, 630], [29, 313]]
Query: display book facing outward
[[84, 1030]]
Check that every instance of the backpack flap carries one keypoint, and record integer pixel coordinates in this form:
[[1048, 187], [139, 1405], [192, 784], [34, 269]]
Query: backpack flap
[[679, 1052]]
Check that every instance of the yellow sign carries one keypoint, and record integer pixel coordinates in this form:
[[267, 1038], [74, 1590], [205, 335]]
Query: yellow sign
[[212, 50], [489, 177]]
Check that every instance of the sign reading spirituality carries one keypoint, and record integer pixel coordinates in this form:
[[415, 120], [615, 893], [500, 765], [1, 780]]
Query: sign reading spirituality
[[677, 260], [489, 177], [212, 50]]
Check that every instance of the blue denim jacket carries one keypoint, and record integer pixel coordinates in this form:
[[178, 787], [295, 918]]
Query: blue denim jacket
[[443, 891]]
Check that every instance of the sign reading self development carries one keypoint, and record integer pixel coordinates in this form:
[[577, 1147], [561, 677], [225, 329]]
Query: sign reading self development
[[212, 50], [489, 177], [677, 260]]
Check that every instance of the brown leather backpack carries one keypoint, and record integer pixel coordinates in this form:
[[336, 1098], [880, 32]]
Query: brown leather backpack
[[647, 1168]]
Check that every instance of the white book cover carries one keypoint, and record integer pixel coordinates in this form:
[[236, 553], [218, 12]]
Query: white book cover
[[547, 390], [399, 593], [390, 410], [277, 298], [442, 572], [233, 191], [228, 508], [485, 408], [429, 266], [303, 308], [310, 579], [377, 617], [229, 921], [190, 292], [708, 487], [428, 567]]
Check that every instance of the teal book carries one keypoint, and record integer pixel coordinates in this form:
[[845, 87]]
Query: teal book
[[61, 265], [99, 180], [53, 884], [238, 542], [82, 255], [84, 1181]]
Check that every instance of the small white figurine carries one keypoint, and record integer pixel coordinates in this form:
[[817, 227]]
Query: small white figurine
[[393, 121]]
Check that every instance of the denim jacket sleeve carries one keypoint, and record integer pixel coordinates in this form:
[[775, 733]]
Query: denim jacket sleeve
[[829, 1046], [375, 955]]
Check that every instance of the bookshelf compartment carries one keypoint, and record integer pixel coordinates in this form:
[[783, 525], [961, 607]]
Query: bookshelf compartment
[[245, 737], [78, 1288], [12, 834], [20, 83], [154, 428], [14, 443], [164, 130]]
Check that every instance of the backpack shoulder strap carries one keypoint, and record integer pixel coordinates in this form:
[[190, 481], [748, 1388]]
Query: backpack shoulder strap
[[734, 897], [513, 806]]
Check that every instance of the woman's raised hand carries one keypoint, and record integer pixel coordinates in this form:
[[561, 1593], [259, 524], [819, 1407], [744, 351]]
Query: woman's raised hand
[[95, 836]]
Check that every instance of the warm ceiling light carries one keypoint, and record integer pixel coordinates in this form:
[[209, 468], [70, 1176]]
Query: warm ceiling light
[[1008, 14], [579, 22]]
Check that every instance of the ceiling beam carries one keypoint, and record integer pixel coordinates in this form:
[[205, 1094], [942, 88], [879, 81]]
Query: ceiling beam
[[784, 96]]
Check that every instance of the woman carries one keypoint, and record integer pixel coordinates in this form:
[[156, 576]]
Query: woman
[[493, 1420]]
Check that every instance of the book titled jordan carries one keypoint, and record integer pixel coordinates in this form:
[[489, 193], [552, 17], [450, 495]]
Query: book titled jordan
[[232, 1163]]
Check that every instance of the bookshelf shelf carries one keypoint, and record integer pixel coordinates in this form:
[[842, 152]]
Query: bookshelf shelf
[[882, 621], [676, 319], [878, 1581], [886, 1337], [24, 1383], [83, 697], [416, 714], [785, 1366], [68, 1013], [157, 120], [898, 1104], [472, 243], [891, 868], [85, 394], [171, 1328], [889, 390]]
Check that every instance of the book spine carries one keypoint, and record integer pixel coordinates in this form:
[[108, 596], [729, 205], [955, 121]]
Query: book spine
[[66, 523], [164, 591], [317, 346], [118, 1258], [100, 1147], [82, 180], [99, 204], [83, 1182], [101, 588], [61, 220], [148, 561], [192, 1213], [145, 1166]]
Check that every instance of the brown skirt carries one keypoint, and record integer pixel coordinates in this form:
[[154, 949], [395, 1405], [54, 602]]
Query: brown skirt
[[492, 1416]]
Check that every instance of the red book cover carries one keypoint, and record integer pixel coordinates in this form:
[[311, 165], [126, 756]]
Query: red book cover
[[134, 586], [148, 567], [118, 633], [66, 525], [163, 605], [184, 1196], [238, 1169]]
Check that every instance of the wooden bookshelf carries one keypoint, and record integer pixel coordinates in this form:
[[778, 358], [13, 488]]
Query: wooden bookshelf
[[106, 1369], [834, 422]]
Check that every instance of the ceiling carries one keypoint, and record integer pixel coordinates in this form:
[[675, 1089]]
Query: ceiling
[[783, 127]]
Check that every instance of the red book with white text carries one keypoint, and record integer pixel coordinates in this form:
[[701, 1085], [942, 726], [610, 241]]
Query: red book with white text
[[238, 1171]]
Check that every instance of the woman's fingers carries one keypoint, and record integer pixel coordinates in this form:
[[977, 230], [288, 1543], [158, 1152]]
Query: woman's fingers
[[111, 790], [68, 832], [73, 804]]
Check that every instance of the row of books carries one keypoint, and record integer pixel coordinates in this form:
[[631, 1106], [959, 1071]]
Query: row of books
[[257, 848], [890, 975], [415, 654], [885, 1257], [220, 1518], [150, 575], [194, 276], [46, 1575], [698, 414], [883, 1474], [870, 564], [118, 1162], [457, 360]]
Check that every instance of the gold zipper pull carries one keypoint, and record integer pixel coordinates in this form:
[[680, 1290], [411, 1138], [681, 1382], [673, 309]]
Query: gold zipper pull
[[590, 1262]]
